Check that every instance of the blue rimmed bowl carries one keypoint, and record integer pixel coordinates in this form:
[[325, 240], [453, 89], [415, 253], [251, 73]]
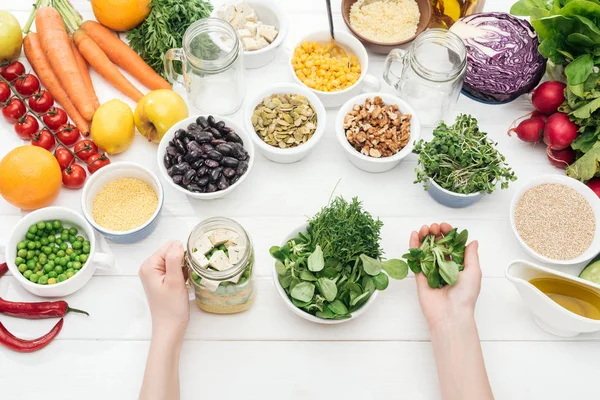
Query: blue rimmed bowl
[[451, 199], [108, 174]]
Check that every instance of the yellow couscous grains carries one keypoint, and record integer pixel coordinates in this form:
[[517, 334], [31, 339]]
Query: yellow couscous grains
[[124, 204]]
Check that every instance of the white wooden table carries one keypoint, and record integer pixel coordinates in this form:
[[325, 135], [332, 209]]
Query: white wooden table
[[267, 352]]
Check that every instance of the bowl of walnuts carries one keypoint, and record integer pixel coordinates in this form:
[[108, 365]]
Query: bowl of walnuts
[[377, 130]]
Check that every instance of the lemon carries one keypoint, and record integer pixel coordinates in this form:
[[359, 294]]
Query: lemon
[[112, 127]]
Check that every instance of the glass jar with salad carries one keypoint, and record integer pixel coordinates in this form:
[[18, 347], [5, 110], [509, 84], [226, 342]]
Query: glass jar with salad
[[220, 259]]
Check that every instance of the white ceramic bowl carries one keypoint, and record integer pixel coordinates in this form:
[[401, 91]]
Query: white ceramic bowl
[[305, 315], [451, 199], [371, 164], [582, 189], [269, 14], [367, 82], [107, 174], [71, 219], [164, 143], [286, 156]]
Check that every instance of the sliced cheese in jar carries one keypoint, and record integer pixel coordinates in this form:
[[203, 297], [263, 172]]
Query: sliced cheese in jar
[[220, 261]]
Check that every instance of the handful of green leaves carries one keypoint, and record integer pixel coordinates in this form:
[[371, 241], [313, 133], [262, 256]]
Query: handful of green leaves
[[441, 259], [460, 158], [334, 268]]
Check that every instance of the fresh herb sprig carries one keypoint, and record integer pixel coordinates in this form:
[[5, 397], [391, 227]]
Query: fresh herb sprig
[[462, 159], [164, 28], [333, 269], [441, 259]]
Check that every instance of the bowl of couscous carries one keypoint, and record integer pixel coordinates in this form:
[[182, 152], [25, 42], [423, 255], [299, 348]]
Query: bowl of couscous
[[122, 201], [333, 80]]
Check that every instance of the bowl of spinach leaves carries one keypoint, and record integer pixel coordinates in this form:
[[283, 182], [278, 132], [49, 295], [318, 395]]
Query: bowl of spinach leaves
[[330, 269]]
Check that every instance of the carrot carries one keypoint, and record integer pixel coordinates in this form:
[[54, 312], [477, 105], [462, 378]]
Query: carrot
[[124, 56], [85, 73], [55, 43], [94, 55], [40, 64]]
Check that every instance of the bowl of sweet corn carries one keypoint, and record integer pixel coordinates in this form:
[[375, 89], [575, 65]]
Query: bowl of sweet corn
[[333, 78]]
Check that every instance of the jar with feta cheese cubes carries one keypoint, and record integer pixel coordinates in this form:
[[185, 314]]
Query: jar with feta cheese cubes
[[220, 259]]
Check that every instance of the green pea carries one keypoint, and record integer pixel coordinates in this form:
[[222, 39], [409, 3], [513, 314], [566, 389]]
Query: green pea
[[48, 268], [48, 226], [195, 276], [69, 251], [78, 252], [52, 281], [58, 269], [22, 268], [41, 225], [70, 265], [77, 245], [37, 270], [47, 250], [86, 243], [72, 232], [51, 239], [44, 241], [86, 249], [77, 258], [43, 280], [72, 238], [19, 260], [83, 258], [27, 274], [52, 274], [37, 252], [38, 244], [63, 262], [43, 259], [52, 256], [65, 230], [69, 274], [51, 263], [32, 229], [72, 256], [61, 277], [29, 236], [22, 253], [57, 225], [63, 246], [59, 241], [30, 254], [60, 253], [34, 278], [30, 264], [22, 245], [31, 245], [64, 237], [76, 265]]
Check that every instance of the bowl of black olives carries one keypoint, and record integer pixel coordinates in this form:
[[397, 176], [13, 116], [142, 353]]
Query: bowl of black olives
[[205, 157]]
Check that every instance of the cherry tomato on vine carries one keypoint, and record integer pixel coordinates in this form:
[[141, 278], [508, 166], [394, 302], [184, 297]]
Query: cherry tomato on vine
[[40, 102], [55, 117], [43, 139], [13, 70], [63, 156], [68, 134], [85, 149], [96, 162], [13, 110], [26, 127], [26, 85], [73, 177], [5, 92]]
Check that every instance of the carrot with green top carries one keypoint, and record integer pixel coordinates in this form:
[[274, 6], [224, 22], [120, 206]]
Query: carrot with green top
[[124, 56], [55, 43], [85, 73]]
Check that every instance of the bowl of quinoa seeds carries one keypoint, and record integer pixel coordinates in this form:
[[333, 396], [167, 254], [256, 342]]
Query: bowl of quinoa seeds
[[124, 204], [385, 21], [555, 221]]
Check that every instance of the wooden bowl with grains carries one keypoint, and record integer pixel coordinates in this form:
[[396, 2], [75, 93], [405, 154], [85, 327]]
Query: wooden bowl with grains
[[382, 25]]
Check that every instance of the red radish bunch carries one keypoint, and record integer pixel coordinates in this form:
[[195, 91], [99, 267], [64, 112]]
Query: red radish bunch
[[548, 96], [561, 158], [559, 131]]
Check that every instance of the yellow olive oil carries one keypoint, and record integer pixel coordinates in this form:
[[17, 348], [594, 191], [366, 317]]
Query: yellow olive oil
[[446, 12], [570, 295]]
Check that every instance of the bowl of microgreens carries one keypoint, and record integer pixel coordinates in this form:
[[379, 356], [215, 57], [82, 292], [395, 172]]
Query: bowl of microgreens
[[461, 164], [330, 269]]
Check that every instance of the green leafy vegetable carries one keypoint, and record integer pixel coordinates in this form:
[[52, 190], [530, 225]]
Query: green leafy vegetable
[[315, 261], [462, 159], [587, 166], [303, 291]]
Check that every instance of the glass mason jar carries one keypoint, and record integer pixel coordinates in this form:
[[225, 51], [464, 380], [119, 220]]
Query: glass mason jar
[[212, 64], [432, 72], [221, 292]]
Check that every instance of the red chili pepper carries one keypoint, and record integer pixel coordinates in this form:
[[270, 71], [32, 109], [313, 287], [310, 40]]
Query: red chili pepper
[[3, 269], [41, 310], [28, 346]]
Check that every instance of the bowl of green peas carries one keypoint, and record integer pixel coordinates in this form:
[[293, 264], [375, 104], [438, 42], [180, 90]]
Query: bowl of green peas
[[52, 252]]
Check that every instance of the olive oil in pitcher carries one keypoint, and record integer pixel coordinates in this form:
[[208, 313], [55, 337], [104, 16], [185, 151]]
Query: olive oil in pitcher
[[447, 12], [571, 296]]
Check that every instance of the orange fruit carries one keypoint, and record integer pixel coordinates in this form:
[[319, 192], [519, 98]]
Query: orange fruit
[[30, 177], [121, 15]]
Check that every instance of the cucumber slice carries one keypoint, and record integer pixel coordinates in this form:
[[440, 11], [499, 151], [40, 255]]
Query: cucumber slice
[[591, 272]]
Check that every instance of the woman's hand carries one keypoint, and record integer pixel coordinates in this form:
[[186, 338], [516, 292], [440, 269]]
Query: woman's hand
[[450, 303], [164, 284]]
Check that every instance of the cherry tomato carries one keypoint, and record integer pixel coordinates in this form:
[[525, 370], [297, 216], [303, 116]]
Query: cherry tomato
[[73, 177], [96, 162], [13, 110], [4, 92], [63, 156], [26, 85], [43, 139], [40, 102], [54, 118], [27, 126], [68, 134], [13, 71], [85, 149]]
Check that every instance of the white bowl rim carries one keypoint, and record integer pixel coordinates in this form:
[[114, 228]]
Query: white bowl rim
[[415, 127], [451, 193], [279, 15], [249, 147], [589, 253], [106, 169], [363, 67], [304, 314], [287, 88]]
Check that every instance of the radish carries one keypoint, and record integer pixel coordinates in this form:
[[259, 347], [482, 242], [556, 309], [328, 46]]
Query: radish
[[559, 131], [529, 130], [539, 115], [561, 158], [548, 96], [594, 184]]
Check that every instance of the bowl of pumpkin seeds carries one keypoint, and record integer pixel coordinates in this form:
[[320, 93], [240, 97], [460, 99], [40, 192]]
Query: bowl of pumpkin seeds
[[285, 122]]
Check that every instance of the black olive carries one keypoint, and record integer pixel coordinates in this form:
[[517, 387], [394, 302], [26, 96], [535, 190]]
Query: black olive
[[210, 188], [220, 125], [228, 172], [179, 159], [202, 181], [194, 146], [224, 149], [230, 162], [172, 151], [233, 137], [180, 134], [202, 122], [192, 187], [217, 142], [177, 179], [202, 171], [180, 169], [207, 148], [167, 161], [215, 155], [223, 183], [211, 163], [203, 137], [170, 171], [189, 177], [192, 157], [215, 174], [242, 168], [180, 146], [197, 164], [211, 120], [216, 134]]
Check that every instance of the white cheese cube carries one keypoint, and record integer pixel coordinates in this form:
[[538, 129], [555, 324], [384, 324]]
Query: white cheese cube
[[201, 260], [268, 32], [236, 253], [238, 21], [227, 12], [220, 236], [252, 17], [210, 285], [219, 261], [243, 8], [252, 27], [249, 44], [204, 245], [261, 43], [236, 278], [244, 33]]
